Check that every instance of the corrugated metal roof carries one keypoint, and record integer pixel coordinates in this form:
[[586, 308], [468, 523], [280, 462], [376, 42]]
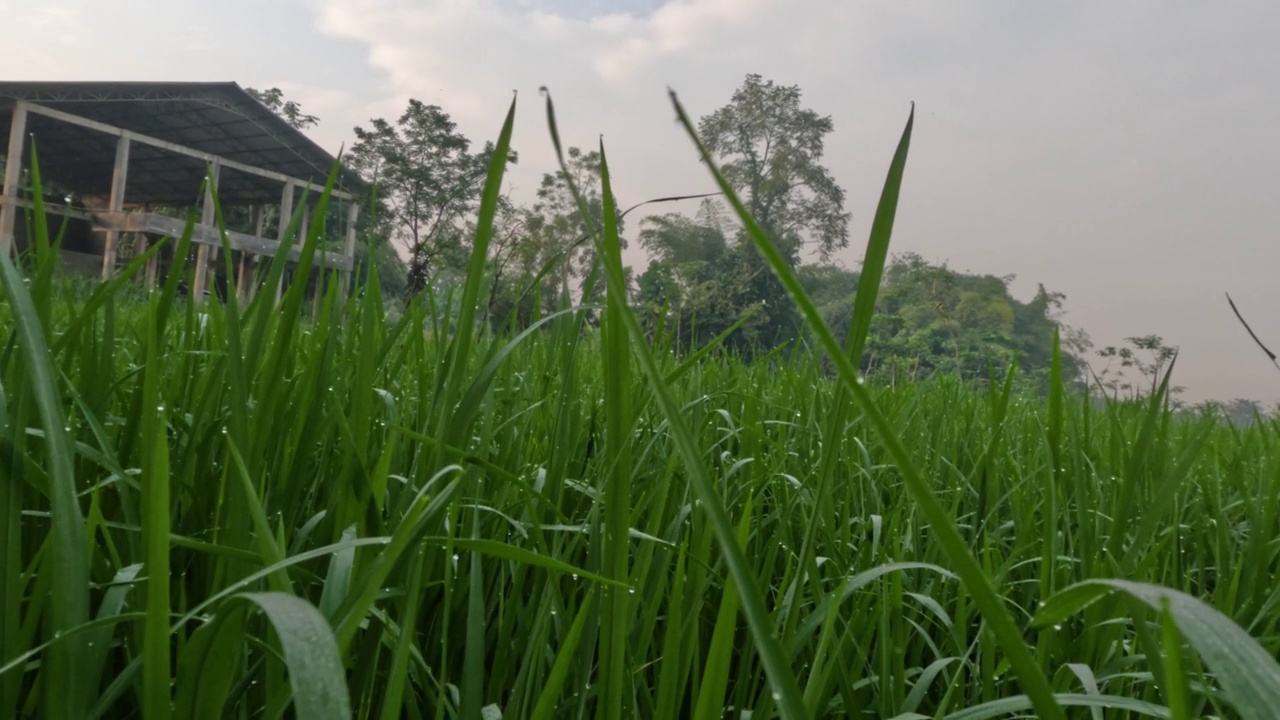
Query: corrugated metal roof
[[218, 118]]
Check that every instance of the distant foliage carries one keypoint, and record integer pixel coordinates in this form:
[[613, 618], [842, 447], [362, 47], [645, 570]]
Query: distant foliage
[[289, 110], [1146, 357], [427, 184], [931, 319], [703, 272]]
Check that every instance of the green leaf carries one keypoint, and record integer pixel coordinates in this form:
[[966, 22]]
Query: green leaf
[[316, 677], [782, 679], [1248, 674], [1016, 705], [65, 667]]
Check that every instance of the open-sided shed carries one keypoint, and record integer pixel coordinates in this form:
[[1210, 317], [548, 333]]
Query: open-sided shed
[[127, 154]]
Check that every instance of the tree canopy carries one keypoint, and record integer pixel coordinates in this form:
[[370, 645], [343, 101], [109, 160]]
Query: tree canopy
[[427, 181], [770, 149], [703, 275]]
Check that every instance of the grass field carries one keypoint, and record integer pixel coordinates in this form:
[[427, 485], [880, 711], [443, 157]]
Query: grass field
[[246, 511]]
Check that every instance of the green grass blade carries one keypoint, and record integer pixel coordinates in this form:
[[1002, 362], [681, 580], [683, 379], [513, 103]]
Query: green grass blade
[[781, 678], [967, 567], [64, 669], [207, 665], [1248, 674], [1016, 705], [615, 615], [715, 674], [315, 671], [1175, 677], [155, 531], [448, 430], [549, 698]]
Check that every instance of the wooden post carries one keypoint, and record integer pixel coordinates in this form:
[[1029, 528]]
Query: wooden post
[[207, 219], [119, 179], [153, 264], [304, 228], [315, 295], [349, 247], [241, 288], [248, 261], [286, 214], [12, 176]]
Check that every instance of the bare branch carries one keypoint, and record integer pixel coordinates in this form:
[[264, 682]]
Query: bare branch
[[1251, 333]]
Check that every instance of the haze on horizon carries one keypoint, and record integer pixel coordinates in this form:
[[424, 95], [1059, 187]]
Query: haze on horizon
[[1123, 154]]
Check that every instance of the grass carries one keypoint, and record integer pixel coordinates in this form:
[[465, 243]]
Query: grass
[[251, 511]]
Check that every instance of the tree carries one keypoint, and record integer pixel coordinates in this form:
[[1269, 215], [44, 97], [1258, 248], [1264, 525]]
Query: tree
[[770, 150], [678, 239], [688, 275], [1147, 355], [932, 319], [514, 260], [556, 220], [428, 182], [708, 283], [288, 110]]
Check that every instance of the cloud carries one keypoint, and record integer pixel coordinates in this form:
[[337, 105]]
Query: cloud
[[674, 28], [60, 23]]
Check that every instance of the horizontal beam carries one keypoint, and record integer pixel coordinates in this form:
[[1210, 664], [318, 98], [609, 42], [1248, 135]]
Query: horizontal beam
[[175, 148], [206, 235], [54, 209], [162, 225]]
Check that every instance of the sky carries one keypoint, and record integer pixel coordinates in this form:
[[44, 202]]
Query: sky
[[1125, 154]]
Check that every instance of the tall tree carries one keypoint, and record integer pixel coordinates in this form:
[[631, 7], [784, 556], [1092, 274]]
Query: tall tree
[[429, 183], [770, 149], [556, 220], [707, 282]]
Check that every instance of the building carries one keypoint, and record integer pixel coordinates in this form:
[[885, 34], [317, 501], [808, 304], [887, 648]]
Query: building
[[122, 163]]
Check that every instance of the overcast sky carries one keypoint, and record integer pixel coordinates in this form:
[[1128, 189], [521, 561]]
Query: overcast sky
[[1124, 153]]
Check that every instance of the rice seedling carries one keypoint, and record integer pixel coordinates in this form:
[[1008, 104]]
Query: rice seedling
[[227, 510]]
